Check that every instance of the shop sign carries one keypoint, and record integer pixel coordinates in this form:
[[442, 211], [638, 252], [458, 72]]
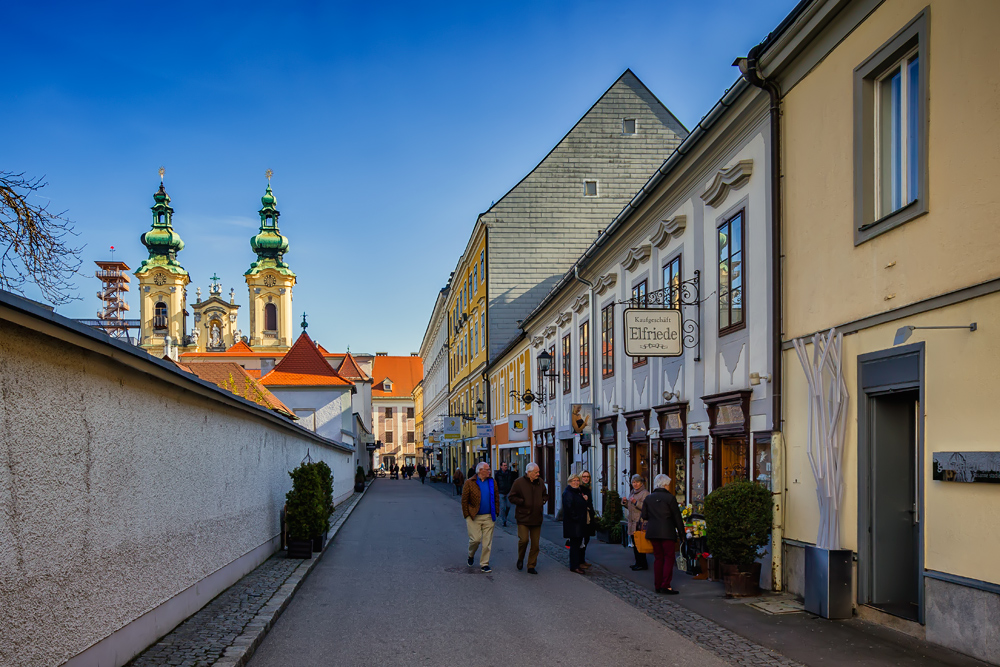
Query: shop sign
[[452, 427], [653, 332], [970, 467], [517, 428], [484, 430]]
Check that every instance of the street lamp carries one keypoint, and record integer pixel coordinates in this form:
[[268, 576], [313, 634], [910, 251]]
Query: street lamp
[[903, 333]]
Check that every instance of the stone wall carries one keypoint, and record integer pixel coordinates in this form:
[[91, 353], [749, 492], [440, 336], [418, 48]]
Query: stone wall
[[130, 493]]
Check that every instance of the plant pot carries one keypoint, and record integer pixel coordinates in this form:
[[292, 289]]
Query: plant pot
[[317, 543], [359, 487], [829, 574], [300, 548], [601, 535], [741, 582], [701, 568]]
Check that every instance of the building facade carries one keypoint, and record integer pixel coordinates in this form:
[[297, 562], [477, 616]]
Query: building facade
[[394, 420], [435, 356]]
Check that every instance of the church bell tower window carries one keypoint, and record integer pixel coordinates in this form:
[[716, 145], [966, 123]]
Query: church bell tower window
[[160, 316], [270, 317]]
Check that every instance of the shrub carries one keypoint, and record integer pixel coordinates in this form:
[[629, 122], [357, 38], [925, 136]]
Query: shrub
[[359, 476], [611, 520], [326, 483], [739, 517], [305, 511]]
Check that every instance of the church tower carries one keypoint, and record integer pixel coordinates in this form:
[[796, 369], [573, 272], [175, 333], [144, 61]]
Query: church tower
[[162, 281], [270, 282]]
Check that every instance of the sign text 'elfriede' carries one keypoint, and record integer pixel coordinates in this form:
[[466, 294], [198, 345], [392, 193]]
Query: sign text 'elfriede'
[[653, 333]]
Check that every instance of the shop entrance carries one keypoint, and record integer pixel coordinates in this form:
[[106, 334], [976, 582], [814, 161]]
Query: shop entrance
[[895, 576], [732, 455]]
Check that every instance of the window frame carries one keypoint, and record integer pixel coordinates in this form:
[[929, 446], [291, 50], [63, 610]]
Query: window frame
[[583, 344], [640, 296], [635, 127], [867, 222], [588, 182], [608, 341], [729, 328], [567, 363], [552, 372], [674, 294]]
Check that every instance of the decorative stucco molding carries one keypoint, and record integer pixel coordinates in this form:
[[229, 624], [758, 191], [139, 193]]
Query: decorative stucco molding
[[605, 282], [636, 256], [730, 178], [537, 341], [580, 303], [549, 331], [672, 228], [564, 318]]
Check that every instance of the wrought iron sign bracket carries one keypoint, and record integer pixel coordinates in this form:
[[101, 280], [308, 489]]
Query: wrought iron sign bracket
[[683, 296]]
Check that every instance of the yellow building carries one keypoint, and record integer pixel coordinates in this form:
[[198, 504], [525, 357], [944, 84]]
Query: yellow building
[[510, 381], [889, 130], [418, 415]]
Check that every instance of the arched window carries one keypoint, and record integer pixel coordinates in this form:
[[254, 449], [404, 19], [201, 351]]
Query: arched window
[[270, 317], [160, 316]]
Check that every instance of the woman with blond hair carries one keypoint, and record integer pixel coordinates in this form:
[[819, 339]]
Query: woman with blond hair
[[575, 516]]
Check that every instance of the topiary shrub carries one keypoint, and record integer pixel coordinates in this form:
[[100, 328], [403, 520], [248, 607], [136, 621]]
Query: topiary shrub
[[305, 511], [739, 517], [359, 476], [611, 520], [326, 483]]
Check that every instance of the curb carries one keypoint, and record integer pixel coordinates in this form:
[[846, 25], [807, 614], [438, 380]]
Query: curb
[[243, 647]]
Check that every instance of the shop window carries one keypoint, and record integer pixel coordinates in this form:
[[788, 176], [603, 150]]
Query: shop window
[[762, 460], [698, 478], [890, 125], [731, 275]]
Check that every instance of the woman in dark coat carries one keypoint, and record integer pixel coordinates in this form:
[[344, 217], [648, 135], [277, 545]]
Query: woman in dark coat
[[592, 524], [664, 528], [575, 514]]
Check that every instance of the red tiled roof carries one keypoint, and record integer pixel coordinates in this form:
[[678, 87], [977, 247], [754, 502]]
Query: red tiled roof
[[303, 366], [232, 377], [349, 369], [240, 346], [403, 372]]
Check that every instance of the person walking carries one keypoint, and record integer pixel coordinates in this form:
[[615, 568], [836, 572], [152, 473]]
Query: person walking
[[528, 494], [505, 481], [664, 528], [422, 472], [575, 515], [458, 479], [634, 504], [592, 514], [480, 503]]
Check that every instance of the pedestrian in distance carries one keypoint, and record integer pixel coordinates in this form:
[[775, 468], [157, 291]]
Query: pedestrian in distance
[[528, 494], [422, 472], [458, 479], [480, 504], [575, 517], [505, 481], [664, 528], [634, 505], [592, 515]]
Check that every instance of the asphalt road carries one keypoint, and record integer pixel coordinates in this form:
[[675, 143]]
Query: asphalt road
[[394, 589]]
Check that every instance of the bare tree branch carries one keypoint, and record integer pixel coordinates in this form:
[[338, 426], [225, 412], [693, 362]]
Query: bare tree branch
[[34, 242]]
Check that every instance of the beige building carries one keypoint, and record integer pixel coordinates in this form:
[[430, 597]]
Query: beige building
[[394, 419], [889, 133]]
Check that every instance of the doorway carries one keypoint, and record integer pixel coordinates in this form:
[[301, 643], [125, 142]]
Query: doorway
[[895, 524], [549, 471]]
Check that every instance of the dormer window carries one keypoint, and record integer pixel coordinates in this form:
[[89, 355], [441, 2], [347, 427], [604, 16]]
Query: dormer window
[[386, 385]]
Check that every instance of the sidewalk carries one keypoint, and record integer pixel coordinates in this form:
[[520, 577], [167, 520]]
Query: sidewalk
[[800, 637], [227, 630]]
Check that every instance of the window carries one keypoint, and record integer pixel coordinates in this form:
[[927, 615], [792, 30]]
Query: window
[[608, 341], [160, 316], [639, 301], [409, 413], [890, 125], [388, 413], [409, 437], [672, 281], [475, 337], [566, 362], [590, 188], [475, 277], [270, 317], [585, 354], [731, 315], [503, 396], [628, 126], [387, 437], [552, 372], [482, 266]]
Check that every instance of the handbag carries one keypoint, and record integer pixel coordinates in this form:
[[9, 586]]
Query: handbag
[[642, 545]]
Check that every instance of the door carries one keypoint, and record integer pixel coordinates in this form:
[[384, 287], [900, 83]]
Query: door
[[732, 455], [894, 521], [640, 461]]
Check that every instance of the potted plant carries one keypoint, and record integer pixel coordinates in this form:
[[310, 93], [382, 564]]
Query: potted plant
[[305, 514], [359, 480], [738, 517], [609, 527]]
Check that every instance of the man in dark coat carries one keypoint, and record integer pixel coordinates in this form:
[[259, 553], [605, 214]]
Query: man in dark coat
[[529, 496], [505, 481], [664, 527], [575, 516]]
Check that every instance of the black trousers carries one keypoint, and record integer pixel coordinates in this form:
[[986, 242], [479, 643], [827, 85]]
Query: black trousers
[[640, 558], [575, 552]]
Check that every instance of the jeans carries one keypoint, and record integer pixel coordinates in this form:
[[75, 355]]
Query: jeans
[[663, 565], [504, 508]]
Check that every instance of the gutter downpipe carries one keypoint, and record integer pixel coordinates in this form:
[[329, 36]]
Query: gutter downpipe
[[593, 375], [486, 368], [755, 78]]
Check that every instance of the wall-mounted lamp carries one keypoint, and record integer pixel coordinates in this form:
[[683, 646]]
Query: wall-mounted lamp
[[755, 378], [616, 408], [669, 395], [903, 333]]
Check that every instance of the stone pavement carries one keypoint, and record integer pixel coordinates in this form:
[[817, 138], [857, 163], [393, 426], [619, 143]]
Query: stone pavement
[[228, 629]]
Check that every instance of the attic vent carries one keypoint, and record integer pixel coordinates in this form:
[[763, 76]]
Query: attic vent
[[381, 354], [628, 126]]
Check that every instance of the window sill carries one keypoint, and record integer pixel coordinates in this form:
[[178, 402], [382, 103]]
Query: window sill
[[900, 216], [733, 329]]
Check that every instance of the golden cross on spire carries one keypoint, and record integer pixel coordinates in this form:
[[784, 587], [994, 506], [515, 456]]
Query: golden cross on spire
[[269, 174], [162, 171]]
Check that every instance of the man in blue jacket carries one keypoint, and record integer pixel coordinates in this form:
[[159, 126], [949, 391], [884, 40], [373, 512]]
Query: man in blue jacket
[[480, 506]]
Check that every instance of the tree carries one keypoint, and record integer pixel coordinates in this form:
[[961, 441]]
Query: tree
[[34, 242]]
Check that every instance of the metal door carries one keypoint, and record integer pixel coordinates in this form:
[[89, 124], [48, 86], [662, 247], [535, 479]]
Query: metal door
[[895, 537]]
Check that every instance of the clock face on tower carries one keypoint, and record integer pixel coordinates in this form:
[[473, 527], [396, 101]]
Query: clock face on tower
[[160, 279], [270, 281]]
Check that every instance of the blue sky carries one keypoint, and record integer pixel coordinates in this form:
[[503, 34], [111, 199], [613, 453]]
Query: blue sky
[[389, 127]]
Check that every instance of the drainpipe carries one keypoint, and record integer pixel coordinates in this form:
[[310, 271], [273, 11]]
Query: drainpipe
[[750, 67], [486, 368], [593, 379]]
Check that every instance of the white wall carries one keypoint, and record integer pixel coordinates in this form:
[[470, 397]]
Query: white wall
[[125, 484]]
